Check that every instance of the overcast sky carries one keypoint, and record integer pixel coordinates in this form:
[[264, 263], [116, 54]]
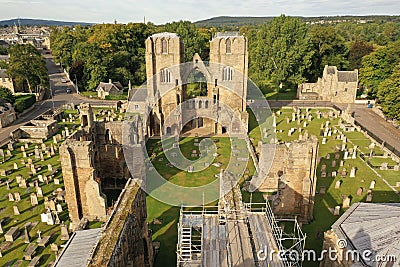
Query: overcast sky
[[161, 11]]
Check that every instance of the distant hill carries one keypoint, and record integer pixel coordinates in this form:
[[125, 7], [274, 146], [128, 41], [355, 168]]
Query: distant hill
[[41, 22], [226, 21]]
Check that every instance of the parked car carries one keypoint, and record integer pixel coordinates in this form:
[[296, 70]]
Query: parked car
[[69, 91], [63, 80]]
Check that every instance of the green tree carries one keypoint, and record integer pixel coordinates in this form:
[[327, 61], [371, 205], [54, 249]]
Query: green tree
[[28, 69], [7, 95], [389, 95], [358, 50], [378, 66], [281, 53], [195, 40], [330, 49], [62, 46]]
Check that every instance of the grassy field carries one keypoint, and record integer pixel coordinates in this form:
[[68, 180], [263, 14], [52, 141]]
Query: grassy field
[[166, 233]]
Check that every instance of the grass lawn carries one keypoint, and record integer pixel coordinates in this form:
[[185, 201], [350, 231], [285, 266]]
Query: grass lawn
[[288, 94], [166, 233]]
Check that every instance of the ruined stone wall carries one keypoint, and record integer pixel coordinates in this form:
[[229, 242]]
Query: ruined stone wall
[[7, 115], [292, 177], [83, 192], [330, 87], [126, 240]]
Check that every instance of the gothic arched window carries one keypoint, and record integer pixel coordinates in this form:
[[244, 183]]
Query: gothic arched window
[[164, 47], [228, 46]]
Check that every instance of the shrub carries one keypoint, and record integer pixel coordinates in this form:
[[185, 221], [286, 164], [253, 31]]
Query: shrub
[[24, 102]]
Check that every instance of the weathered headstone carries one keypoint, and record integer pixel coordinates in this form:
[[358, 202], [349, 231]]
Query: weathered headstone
[[15, 166], [64, 232], [360, 191], [346, 203], [372, 185], [11, 197], [34, 200], [353, 172], [336, 211], [16, 210], [12, 234], [39, 191], [337, 184], [17, 196]]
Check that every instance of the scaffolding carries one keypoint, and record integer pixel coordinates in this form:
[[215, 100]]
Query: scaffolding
[[233, 233]]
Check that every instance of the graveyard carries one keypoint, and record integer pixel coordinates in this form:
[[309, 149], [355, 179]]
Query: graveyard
[[346, 173], [33, 213]]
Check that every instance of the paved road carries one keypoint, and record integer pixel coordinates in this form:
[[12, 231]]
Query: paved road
[[375, 124], [57, 98]]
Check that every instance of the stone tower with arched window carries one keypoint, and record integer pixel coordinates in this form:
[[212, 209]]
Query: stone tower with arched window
[[226, 76], [163, 51]]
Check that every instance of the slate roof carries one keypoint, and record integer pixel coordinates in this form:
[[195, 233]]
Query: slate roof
[[139, 95], [347, 76], [108, 86], [371, 226], [79, 248], [3, 74]]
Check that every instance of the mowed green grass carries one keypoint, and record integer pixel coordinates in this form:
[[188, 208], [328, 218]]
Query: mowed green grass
[[167, 232]]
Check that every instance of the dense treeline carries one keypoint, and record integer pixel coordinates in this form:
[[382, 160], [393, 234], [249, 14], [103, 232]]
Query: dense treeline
[[27, 68], [282, 53]]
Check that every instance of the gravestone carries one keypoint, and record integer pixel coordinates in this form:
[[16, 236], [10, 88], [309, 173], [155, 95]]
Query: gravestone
[[16, 210], [333, 163], [328, 156], [337, 184], [396, 168], [372, 185], [12, 234], [15, 166], [353, 172], [334, 174], [3, 172], [360, 191], [49, 167], [64, 232], [22, 183], [369, 197], [59, 208], [346, 203], [39, 191], [1, 227], [56, 181], [324, 141], [17, 196], [344, 172], [346, 155], [52, 205], [50, 219], [384, 166], [11, 197], [336, 211], [34, 200]]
